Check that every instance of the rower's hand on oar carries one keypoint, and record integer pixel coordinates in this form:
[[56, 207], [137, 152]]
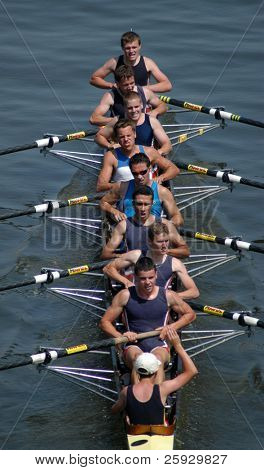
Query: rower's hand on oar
[[173, 337], [158, 179], [165, 330], [132, 337], [118, 215]]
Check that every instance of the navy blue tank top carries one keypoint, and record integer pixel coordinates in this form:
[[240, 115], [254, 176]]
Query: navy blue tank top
[[140, 70], [136, 235], [118, 109], [146, 315], [144, 133], [149, 412], [164, 272]]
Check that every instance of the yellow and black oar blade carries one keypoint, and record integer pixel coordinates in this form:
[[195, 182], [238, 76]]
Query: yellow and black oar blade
[[49, 206], [233, 243], [243, 318], [49, 275], [46, 356], [49, 141], [225, 176], [217, 113]]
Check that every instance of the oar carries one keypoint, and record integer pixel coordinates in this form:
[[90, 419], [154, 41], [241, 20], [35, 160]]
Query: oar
[[216, 112], [225, 176], [50, 355], [242, 318], [49, 206], [233, 243], [49, 141], [49, 275]]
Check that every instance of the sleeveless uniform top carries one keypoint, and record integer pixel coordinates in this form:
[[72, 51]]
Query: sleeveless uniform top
[[127, 207], [118, 109], [144, 133], [140, 70], [146, 315], [122, 172], [164, 272], [136, 235], [149, 412]]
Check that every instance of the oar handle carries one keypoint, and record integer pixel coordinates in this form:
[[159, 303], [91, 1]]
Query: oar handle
[[147, 334]]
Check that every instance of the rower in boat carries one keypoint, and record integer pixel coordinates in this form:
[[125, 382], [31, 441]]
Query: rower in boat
[[144, 402], [116, 161], [113, 100], [140, 167], [134, 230], [143, 67], [148, 127], [147, 307], [168, 266]]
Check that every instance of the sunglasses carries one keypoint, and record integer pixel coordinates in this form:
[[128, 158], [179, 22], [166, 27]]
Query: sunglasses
[[141, 173]]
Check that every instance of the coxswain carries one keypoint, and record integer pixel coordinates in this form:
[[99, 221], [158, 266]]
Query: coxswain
[[144, 402]]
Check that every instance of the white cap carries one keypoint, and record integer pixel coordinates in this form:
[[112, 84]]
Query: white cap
[[147, 364]]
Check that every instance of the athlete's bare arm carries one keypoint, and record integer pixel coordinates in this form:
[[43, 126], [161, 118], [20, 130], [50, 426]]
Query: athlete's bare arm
[[97, 78], [163, 83], [161, 137], [105, 175], [184, 311], [188, 368], [115, 267], [158, 106], [178, 246], [170, 206], [169, 169], [114, 242], [190, 290], [113, 312], [110, 199]]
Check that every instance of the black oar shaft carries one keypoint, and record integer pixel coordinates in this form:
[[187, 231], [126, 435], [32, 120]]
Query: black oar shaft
[[233, 243], [225, 176], [242, 318], [51, 275], [49, 355], [48, 141], [215, 112], [49, 206]]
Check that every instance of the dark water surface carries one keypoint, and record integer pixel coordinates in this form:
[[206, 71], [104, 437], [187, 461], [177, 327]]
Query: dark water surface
[[213, 53]]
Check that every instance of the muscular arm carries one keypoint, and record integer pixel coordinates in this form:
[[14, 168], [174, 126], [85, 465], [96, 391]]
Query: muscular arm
[[114, 242], [105, 136], [124, 261], [178, 247], [97, 78], [160, 135], [169, 169], [113, 312], [190, 289], [98, 117], [158, 106], [163, 84], [188, 369], [105, 175], [184, 311], [170, 206], [112, 197]]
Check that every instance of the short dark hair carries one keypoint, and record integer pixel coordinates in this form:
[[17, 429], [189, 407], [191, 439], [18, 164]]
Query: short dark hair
[[139, 158], [123, 72], [128, 37], [122, 123], [156, 229], [143, 190], [144, 264]]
